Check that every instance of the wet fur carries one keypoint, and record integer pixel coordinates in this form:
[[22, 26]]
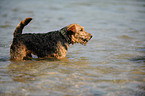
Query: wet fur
[[45, 45]]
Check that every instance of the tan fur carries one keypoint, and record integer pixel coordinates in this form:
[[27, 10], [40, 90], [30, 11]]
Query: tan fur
[[79, 34], [19, 53], [61, 50], [20, 26]]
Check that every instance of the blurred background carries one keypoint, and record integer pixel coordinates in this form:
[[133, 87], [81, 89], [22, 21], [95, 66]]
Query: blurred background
[[111, 64]]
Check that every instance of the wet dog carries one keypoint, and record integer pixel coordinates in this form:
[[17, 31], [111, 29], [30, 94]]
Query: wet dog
[[46, 45]]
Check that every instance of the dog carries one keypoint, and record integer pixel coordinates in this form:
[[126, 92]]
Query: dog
[[52, 44]]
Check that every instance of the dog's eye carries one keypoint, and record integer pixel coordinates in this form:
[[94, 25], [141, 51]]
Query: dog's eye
[[81, 29]]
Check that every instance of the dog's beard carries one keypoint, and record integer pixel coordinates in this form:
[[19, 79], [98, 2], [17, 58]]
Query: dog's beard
[[83, 41], [80, 40]]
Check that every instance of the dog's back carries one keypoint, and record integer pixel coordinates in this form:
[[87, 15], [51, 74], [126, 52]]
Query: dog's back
[[40, 44]]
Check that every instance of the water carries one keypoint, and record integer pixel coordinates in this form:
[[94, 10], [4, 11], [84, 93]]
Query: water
[[112, 63]]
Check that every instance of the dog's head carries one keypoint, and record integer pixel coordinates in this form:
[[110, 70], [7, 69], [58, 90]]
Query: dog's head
[[78, 34]]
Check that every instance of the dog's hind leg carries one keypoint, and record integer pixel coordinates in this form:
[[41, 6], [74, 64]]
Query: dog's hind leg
[[28, 56], [18, 52]]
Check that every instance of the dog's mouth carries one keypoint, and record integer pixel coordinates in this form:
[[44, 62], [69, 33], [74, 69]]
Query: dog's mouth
[[82, 40], [86, 40]]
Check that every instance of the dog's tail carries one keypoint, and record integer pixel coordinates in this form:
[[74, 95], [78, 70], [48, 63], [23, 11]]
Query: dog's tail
[[20, 26]]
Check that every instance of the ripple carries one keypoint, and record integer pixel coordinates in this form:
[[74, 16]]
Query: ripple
[[125, 37], [5, 26], [139, 59]]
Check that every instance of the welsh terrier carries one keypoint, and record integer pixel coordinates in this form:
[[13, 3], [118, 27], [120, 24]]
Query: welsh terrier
[[46, 45]]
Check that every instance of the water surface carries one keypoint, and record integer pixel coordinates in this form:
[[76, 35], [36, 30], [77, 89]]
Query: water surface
[[112, 63]]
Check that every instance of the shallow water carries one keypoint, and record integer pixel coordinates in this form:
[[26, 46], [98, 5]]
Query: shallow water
[[111, 64]]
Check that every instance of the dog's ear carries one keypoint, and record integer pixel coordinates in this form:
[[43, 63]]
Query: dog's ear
[[72, 28]]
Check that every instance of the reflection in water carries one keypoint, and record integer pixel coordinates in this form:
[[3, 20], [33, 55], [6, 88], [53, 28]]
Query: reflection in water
[[54, 76], [73, 77], [29, 70]]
